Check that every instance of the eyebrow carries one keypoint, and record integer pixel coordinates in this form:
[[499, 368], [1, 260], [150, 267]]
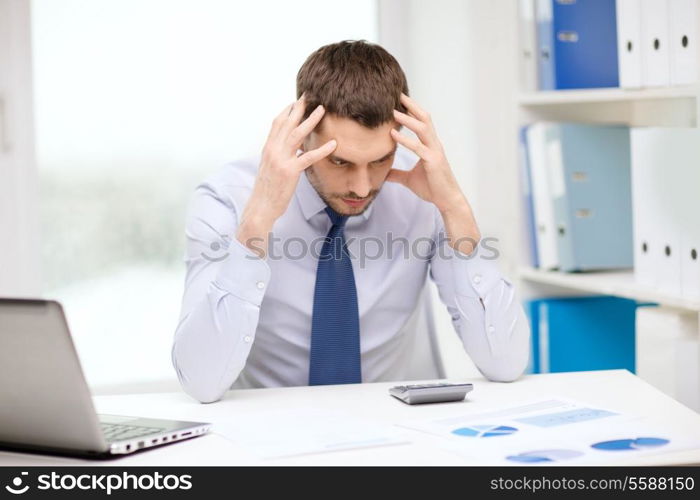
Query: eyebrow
[[338, 158]]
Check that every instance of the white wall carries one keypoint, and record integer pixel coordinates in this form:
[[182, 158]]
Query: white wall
[[460, 60], [19, 243]]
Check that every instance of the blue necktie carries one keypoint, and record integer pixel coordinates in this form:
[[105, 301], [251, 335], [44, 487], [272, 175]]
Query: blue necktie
[[335, 326]]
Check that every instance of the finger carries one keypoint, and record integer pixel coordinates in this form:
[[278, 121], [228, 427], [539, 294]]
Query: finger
[[424, 131], [411, 143], [279, 119], [311, 157], [398, 176], [297, 136], [294, 117], [414, 109]]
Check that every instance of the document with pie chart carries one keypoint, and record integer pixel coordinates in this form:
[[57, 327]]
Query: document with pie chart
[[549, 432]]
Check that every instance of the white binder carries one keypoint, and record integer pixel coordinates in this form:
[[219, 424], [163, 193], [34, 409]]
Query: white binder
[[645, 208], [655, 43], [528, 46], [688, 192], [680, 187], [683, 32], [541, 196], [665, 162], [690, 264], [670, 163], [629, 47]]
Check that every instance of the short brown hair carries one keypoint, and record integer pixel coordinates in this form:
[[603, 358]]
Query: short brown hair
[[353, 79]]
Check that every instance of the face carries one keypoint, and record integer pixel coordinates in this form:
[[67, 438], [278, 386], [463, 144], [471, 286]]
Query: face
[[349, 179]]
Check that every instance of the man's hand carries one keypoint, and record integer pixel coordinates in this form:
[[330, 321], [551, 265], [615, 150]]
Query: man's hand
[[279, 172], [432, 178]]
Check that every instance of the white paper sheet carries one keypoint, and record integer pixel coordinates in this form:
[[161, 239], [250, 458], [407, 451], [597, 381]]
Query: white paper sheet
[[276, 434]]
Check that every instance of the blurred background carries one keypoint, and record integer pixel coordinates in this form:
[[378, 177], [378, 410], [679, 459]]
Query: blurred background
[[134, 103], [111, 111]]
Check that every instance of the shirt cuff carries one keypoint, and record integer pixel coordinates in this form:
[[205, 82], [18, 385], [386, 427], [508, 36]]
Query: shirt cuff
[[475, 274], [244, 274]]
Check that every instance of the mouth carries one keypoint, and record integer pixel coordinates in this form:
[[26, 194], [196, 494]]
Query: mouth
[[354, 203]]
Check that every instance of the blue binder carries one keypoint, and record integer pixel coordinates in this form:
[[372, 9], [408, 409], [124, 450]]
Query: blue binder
[[582, 333], [581, 39], [527, 205], [592, 196]]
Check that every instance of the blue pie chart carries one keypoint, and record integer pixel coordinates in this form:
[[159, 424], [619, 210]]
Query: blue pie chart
[[484, 431], [538, 456], [640, 443]]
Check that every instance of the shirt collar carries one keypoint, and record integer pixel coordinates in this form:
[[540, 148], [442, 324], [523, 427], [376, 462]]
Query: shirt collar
[[311, 203]]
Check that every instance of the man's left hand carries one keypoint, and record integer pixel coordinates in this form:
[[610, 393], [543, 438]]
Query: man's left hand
[[432, 178]]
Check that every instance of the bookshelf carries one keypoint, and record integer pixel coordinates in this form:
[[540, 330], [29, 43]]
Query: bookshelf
[[619, 283], [649, 107], [554, 97], [666, 106], [672, 106]]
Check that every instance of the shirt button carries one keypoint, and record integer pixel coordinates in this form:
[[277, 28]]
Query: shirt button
[[260, 285], [247, 338], [491, 329], [477, 279]]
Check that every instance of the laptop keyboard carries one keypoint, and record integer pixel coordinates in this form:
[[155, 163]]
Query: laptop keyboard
[[121, 432]]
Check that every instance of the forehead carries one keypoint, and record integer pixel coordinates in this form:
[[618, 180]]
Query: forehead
[[354, 139]]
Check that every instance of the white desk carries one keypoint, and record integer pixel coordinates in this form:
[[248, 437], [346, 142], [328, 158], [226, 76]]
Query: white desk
[[612, 388]]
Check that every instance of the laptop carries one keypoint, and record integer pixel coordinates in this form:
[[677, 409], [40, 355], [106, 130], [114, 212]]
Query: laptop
[[45, 402]]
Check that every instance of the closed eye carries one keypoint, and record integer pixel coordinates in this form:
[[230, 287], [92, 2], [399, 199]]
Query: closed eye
[[383, 160], [342, 163]]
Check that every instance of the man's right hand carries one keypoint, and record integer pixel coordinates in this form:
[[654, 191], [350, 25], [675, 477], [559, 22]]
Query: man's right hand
[[279, 173]]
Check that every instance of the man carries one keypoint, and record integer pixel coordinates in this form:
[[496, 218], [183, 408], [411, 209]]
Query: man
[[280, 286]]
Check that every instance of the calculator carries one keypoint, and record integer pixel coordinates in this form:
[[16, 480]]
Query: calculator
[[430, 393]]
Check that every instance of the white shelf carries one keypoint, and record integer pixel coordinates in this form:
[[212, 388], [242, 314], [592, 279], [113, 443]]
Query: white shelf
[[558, 97], [619, 283]]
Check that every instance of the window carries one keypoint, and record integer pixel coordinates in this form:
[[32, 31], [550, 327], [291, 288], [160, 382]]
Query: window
[[136, 101]]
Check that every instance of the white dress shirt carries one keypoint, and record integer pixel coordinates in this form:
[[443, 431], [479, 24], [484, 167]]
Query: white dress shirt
[[247, 320]]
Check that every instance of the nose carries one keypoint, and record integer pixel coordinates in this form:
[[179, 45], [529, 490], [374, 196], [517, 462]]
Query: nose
[[360, 183]]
